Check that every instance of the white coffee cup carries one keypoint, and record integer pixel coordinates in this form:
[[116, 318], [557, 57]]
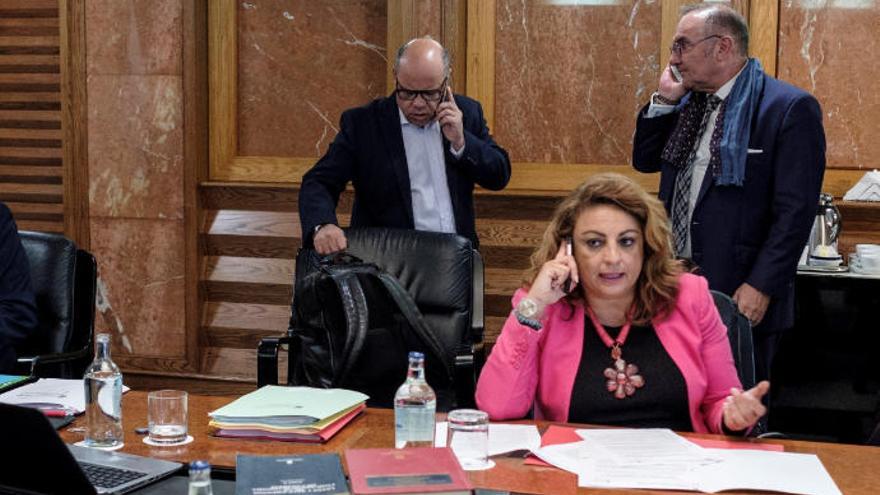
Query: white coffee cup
[[864, 249], [870, 261]]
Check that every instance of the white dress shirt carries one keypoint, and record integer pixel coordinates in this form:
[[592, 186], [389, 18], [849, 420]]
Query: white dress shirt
[[431, 202]]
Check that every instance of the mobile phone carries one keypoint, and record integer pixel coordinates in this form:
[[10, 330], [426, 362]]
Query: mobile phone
[[569, 284], [676, 75]]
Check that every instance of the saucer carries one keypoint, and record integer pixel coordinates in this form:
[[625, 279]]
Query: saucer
[[82, 443], [489, 465], [188, 439], [856, 268]]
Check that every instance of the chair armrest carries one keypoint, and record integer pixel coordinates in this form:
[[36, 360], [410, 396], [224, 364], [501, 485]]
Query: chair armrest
[[35, 362], [267, 359], [477, 310], [465, 378]]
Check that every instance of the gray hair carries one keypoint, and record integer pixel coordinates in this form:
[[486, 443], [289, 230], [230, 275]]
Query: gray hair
[[403, 48], [726, 19]]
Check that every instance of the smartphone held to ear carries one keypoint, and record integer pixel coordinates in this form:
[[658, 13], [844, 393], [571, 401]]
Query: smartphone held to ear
[[568, 285]]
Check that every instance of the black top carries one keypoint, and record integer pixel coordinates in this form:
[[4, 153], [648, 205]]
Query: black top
[[661, 403]]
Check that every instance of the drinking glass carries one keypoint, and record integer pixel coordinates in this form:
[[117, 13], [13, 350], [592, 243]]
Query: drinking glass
[[468, 437], [166, 416]]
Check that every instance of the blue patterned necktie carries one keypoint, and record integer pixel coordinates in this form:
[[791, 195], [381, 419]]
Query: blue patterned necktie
[[681, 197]]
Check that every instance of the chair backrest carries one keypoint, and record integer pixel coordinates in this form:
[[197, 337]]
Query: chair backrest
[[739, 331], [436, 269], [64, 280]]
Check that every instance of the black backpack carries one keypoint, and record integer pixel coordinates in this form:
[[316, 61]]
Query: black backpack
[[353, 326]]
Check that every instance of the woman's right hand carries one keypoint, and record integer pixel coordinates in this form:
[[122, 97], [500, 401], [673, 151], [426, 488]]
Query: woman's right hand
[[549, 286]]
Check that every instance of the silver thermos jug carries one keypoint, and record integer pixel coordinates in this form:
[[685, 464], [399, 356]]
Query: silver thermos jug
[[823, 237]]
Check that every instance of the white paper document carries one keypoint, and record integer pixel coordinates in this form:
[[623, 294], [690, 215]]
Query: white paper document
[[660, 459], [50, 393], [785, 472], [503, 438]]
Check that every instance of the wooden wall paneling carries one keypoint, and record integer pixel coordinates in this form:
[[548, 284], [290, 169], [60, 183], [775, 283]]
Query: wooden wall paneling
[[33, 165], [222, 85], [74, 120], [764, 33], [400, 29], [480, 82], [454, 38], [195, 156]]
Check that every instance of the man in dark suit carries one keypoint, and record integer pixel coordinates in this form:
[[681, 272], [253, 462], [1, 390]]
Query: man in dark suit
[[741, 156], [412, 157], [18, 311]]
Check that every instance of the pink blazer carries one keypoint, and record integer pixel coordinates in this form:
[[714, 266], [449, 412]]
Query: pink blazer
[[528, 366]]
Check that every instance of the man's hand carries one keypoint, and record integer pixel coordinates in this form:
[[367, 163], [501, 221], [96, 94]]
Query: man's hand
[[669, 87], [743, 409], [751, 302], [330, 239], [449, 117]]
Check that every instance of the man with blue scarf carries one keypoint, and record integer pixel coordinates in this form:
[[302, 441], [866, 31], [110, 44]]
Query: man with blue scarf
[[741, 156]]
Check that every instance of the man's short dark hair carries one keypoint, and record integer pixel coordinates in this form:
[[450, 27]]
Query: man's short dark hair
[[721, 18]]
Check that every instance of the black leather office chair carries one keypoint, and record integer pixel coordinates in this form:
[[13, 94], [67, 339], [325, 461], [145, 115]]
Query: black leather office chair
[[444, 276], [739, 332], [64, 280]]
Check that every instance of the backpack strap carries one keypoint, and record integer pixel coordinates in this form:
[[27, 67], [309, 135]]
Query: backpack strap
[[414, 317], [343, 269], [357, 316]]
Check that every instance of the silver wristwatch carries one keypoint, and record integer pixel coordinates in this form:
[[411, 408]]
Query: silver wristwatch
[[527, 313]]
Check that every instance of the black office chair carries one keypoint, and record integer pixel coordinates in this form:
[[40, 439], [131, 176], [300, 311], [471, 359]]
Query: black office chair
[[444, 276], [739, 332], [64, 280]]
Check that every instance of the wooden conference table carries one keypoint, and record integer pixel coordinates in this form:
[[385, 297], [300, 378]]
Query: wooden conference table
[[855, 469]]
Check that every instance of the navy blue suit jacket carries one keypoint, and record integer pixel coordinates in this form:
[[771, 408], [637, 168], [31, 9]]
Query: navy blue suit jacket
[[368, 152], [754, 233], [18, 313]]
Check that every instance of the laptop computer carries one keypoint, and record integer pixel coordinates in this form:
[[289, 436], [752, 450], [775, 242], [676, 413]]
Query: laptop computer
[[38, 461]]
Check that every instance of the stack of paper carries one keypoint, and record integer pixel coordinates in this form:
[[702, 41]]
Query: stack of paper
[[660, 459], [53, 396], [293, 414]]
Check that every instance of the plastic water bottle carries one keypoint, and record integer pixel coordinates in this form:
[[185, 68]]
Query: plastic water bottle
[[103, 387], [414, 406], [200, 478]]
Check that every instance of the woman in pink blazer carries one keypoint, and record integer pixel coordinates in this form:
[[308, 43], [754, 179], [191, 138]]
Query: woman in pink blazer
[[610, 330]]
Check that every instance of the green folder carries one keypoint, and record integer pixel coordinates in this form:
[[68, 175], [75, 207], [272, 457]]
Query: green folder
[[288, 406], [9, 382]]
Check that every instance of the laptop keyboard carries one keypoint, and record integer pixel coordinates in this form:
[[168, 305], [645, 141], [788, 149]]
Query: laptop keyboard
[[108, 477]]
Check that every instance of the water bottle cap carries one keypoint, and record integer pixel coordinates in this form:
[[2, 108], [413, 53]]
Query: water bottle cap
[[199, 465], [416, 355]]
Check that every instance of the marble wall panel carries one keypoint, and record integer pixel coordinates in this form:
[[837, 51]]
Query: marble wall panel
[[569, 79], [301, 63], [131, 37], [827, 47], [141, 289], [136, 146]]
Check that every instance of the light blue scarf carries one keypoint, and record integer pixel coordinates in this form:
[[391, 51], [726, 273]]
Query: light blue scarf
[[741, 103]]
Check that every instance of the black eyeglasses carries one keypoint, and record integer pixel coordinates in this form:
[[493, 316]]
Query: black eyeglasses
[[683, 45], [429, 95]]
